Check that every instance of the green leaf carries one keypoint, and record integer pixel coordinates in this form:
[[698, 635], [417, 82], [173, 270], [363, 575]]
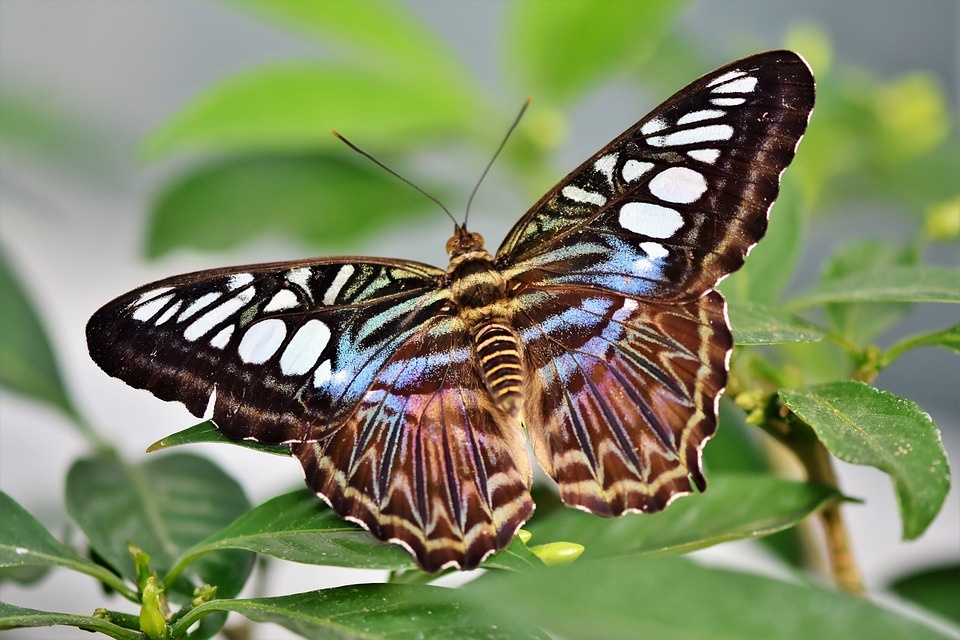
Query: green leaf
[[371, 611], [755, 323], [317, 200], [770, 265], [733, 508], [24, 542], [12, 617], [937, 589], [862, 322], [163, 506], [292, 106], [298, 527], [894, 284], [27, 365], [948, 338], [560, 49], [207, 432], [380, 33], [864, 425], [633, 598]]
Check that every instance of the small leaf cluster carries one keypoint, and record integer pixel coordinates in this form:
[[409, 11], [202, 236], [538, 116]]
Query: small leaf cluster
[[175, 536]]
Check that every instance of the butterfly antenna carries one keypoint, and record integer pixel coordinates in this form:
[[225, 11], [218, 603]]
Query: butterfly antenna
[[503, 143], [394, 174]]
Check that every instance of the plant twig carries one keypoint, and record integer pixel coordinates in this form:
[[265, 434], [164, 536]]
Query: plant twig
[[799, 437]]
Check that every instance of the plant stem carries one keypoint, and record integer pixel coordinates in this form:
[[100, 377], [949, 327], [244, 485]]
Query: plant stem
[[842, 564], [799, 437]]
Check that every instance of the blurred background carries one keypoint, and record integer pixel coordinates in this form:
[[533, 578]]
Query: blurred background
[[108, 182]]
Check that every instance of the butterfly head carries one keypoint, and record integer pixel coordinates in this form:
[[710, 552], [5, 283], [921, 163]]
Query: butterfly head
[[464, 242]]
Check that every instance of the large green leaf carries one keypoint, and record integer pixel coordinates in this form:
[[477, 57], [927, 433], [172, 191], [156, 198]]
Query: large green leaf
[[861, 322], [559, 49], [24, 542], [318, 200], [732, 508], [12, 617], [937, 589], [27, 365], [756, 323], [378, 32], [892, 284], [629, 598], [372, 611], [864, 425], [292, 106], [163, 506], [298, 527]]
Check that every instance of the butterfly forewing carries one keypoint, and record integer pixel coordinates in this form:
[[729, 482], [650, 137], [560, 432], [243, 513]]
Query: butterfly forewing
[[404, 390], [282, 350], [674, 204]]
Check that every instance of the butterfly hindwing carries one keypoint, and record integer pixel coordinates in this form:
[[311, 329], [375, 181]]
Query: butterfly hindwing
[[674, 204], [426, 459], [626, 395]]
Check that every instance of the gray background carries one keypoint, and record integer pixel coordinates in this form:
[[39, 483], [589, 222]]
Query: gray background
[[74, 235]]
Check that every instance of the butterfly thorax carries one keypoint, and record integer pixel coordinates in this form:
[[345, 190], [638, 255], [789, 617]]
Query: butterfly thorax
[[479, 293]]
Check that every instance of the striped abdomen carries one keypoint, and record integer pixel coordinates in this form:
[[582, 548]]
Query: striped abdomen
[[499, 359]]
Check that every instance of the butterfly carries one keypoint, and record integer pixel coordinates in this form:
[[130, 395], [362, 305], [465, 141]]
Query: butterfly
[[407, 392]]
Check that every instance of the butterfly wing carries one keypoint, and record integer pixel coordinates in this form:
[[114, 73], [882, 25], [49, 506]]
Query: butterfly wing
[[623, 394], [626, 343], [357, 364], [673, 205], [280, 351], [427, 459]]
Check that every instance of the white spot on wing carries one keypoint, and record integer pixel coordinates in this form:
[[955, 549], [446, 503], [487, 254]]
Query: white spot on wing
[[606, 165], [223, 337], [693, 136], [218, 314], [330, 297], [678, 184], [304, 348], [657, 124], [704, 155], [153, 293], [150, 309], [262, 340], [728, 102], [650, 220], [322, 375], [283, 299], [742, 85], [238, 280], [729, 75], [301, 277], [198, 304], [169, 313], [580, 195], [697, 116], [654, 250], [633, 169]]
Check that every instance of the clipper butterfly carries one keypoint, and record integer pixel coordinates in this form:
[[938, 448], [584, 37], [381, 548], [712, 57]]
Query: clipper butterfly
[[407, 392]]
